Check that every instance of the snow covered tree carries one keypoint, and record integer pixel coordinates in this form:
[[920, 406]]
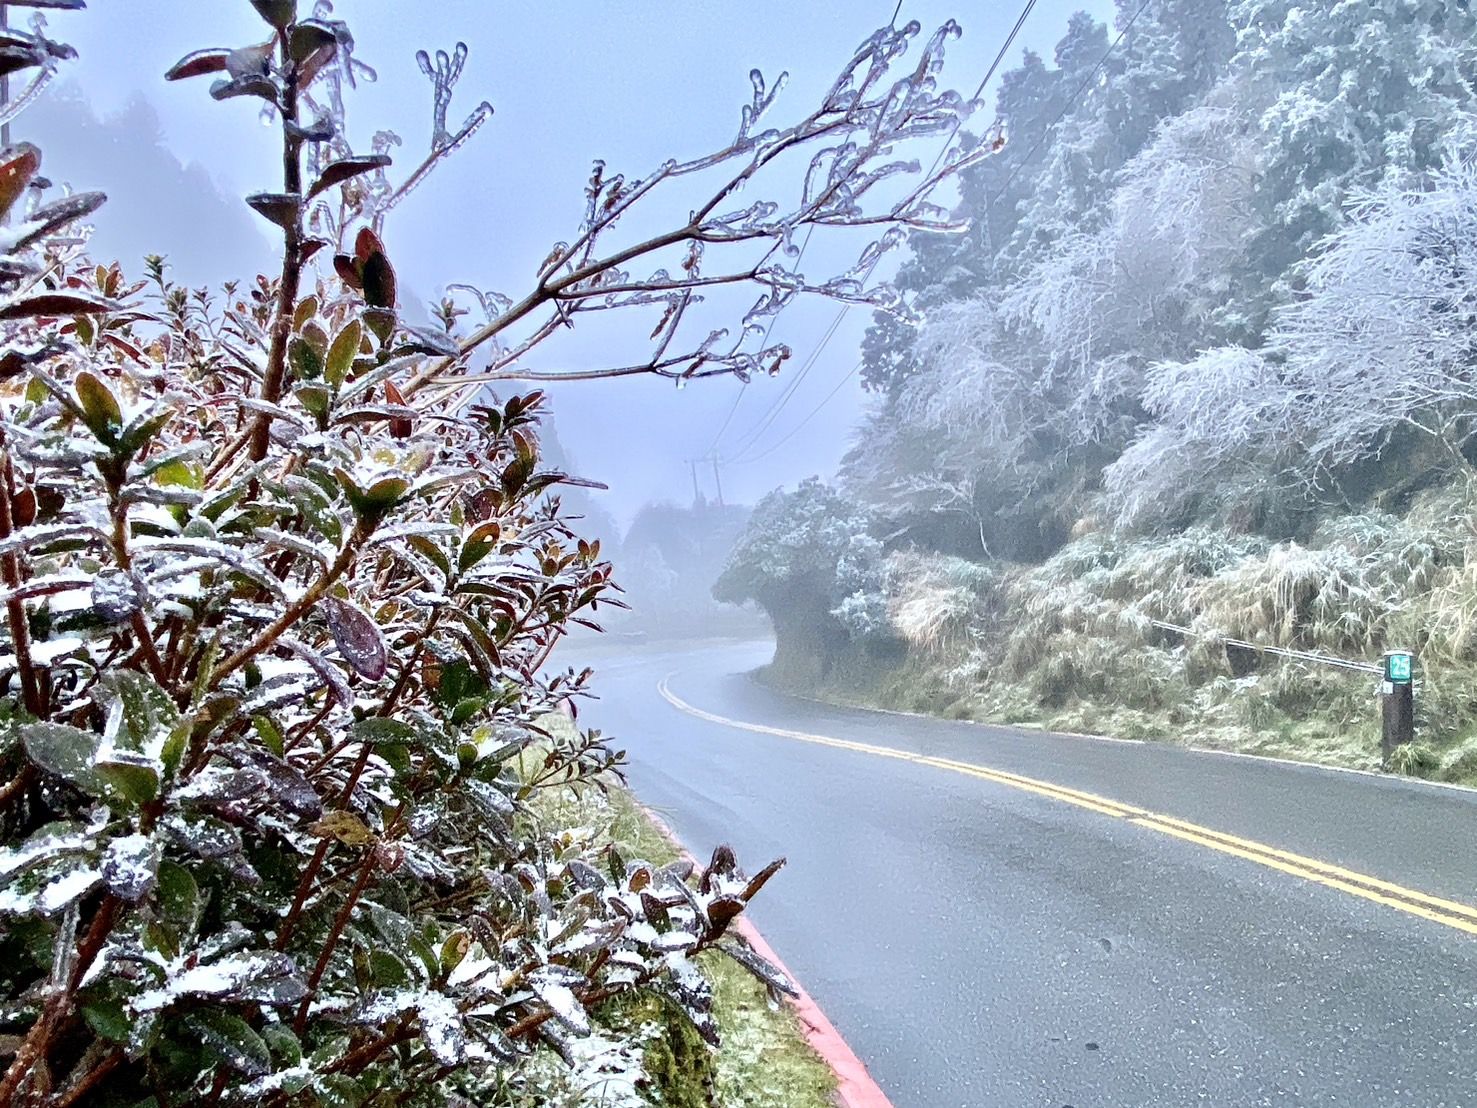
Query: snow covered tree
[[1377, 353], [1343, 97], [808, 559]]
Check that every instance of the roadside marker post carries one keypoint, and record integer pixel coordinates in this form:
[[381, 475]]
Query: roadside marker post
[[1397, 702]]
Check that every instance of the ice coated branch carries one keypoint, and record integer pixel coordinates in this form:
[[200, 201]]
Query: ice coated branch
[[850, 140]]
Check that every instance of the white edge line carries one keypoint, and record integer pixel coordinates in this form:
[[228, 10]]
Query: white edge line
[[1285, 763]]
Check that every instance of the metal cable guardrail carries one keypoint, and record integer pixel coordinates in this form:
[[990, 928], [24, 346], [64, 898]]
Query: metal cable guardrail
[[1279, 651]]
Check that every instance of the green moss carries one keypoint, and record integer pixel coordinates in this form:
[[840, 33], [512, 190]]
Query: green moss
[[682, 1069]]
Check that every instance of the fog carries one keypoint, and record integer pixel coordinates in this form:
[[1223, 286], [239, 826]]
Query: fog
[[632, 84]]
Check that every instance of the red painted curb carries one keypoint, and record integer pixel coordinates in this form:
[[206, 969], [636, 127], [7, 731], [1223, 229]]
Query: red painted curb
[[854, 1085]]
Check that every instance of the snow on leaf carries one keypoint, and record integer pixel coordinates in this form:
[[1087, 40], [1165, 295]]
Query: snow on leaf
[[117, 595], [65, 751], [766, 971], [45, 533], [230, 556], [561, 999], [260, 978], [284, 785], [47, 897], [441, 1028], [130, 865], [51, 841], [332, 678], [358, 638]]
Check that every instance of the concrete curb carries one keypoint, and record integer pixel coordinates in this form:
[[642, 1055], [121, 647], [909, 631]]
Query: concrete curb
[[854, 1085]]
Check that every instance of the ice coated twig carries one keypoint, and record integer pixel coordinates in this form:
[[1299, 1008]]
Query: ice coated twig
[[850, 139]]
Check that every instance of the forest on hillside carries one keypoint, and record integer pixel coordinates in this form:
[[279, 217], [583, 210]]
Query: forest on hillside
[[1204, 358]]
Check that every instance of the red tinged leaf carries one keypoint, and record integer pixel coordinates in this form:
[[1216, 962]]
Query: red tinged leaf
[[15, 58], [379, 281], [358, 638], [722, 911], [400, 427], [759, 880], [346, 169], [56, 303], [367, 243], [19, 166], [23, 507], [198, 64], [124, 347], [348, 271]]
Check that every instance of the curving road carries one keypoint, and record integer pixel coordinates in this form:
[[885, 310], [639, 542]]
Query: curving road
[[1000, 917]]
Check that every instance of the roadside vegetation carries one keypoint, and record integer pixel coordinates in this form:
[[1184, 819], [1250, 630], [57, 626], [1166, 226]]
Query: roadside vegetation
[[765, 1059], [284, 569], [1205, 359]]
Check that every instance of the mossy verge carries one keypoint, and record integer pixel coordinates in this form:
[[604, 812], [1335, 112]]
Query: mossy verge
[[765, 1060]]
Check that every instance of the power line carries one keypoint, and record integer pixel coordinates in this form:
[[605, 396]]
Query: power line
[[1050, 127], [808, 417], [733, 408], [792, 386], [768, 327], [768, 419], [1071, 102]]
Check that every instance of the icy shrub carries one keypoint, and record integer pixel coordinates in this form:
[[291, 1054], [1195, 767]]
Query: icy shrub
[[1460, 762], [1343, 594], [807, 558]]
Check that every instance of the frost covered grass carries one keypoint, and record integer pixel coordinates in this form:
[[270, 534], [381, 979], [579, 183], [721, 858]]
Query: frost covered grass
[[938, 604], [1076, 643]]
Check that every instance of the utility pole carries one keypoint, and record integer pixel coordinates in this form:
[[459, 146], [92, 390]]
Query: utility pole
[[697, 496], [5, 84], [717, 481]]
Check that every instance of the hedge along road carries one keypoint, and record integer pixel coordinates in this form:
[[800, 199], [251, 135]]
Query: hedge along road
[[995, 916]]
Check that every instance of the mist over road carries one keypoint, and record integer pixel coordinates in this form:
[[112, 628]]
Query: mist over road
[[1001, 917]]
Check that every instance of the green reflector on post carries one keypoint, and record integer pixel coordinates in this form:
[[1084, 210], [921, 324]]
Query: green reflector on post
[[1397, 666]]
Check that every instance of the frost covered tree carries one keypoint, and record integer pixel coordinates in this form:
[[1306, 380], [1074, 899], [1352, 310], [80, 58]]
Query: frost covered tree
[[1343, 98], [282, 580], [1102, 236], [1376, 356], [809, 560]]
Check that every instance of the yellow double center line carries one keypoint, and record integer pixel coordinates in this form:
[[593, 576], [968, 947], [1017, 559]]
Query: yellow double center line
[[1463, 917]]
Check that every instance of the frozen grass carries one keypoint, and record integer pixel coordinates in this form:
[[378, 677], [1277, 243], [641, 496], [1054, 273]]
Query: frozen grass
[[939, 604], [765, 1058], [1071, 645]]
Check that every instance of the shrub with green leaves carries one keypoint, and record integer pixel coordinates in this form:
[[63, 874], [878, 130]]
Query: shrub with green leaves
[[281, 584]]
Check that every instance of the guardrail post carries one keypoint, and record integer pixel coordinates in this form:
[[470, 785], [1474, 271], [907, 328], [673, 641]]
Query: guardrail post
[[1397, 703]]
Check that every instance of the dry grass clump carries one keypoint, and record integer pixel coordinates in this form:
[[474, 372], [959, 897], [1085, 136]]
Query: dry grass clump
[[1075, 638], [1347, 593], [939, 605]]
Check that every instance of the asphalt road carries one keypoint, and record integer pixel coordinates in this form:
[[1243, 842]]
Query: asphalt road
[[982, 942]]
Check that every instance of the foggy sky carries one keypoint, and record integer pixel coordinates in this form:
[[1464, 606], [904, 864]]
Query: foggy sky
[[632, 83]]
